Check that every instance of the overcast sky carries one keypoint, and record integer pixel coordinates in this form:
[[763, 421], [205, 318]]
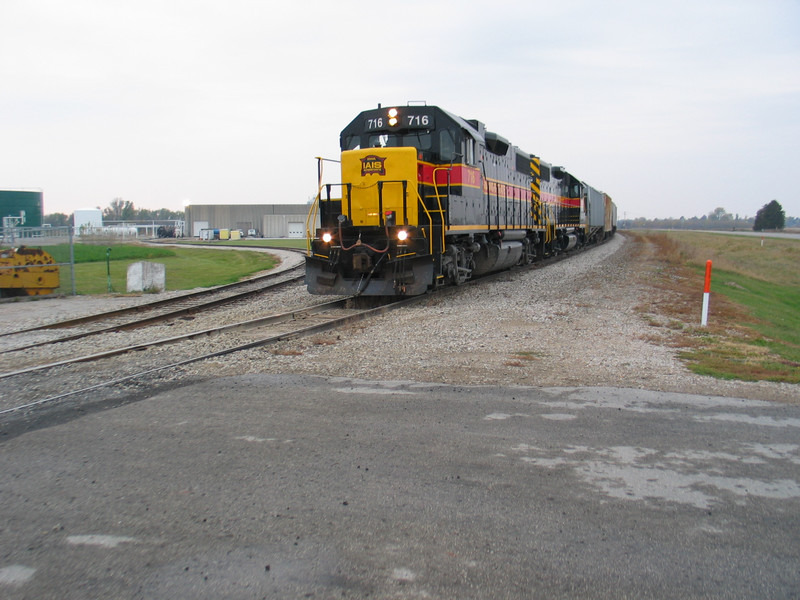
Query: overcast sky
[[672, 108]]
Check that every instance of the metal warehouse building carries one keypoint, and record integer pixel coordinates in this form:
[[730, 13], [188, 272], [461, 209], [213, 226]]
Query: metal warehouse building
[[270, 220]]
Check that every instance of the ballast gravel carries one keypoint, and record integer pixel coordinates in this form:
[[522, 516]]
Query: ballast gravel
[[574, 323]]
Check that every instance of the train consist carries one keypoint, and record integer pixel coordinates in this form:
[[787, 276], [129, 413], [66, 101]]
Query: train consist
[[428, 199]]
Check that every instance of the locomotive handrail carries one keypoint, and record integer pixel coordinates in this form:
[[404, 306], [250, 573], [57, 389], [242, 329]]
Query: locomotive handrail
[[314, 205], [430, 218], [312, 211], [314, 208], [381, 185], [439, 199], [549, 228], [436, 185]]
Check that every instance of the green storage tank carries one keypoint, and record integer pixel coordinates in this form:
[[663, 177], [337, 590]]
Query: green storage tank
[[14, 202]]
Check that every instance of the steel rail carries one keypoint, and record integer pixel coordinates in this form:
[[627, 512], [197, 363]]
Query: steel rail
[[300, 332], [154, 304], [173, 314], [242, 325], [325, 326], [146, 306]]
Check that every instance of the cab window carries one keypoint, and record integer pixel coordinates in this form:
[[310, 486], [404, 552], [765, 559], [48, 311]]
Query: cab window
[[420, 141], [447, 145], [352, 142], [469, 150]]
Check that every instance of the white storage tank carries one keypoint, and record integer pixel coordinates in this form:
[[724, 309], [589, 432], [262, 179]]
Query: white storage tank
[[87, 219]]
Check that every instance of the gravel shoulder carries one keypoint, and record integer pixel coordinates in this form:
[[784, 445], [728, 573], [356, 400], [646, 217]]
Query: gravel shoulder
[[571, 324]]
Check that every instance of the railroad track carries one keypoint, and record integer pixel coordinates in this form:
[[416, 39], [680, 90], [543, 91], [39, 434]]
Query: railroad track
[[158, 311], [90, 379], [41, 385], [180, 304]]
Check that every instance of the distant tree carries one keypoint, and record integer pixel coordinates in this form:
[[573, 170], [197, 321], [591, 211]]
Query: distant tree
[[119, 210], [719, 214], [57, 220], [161, 214], [770, 216], [124, 210]]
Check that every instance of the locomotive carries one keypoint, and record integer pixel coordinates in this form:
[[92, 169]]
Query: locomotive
[[427, 199]]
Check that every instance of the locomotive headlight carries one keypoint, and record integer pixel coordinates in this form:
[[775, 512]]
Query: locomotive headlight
[[327, 237], [393, 117], [402, 235]]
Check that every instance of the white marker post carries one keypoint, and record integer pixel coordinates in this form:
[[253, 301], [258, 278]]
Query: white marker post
[[706, 292]]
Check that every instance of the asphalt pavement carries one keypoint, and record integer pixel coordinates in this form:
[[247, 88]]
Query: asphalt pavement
[[308, 487]]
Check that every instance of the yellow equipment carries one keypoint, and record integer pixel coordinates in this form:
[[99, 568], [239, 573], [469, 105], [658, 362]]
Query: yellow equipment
[[27, 272]]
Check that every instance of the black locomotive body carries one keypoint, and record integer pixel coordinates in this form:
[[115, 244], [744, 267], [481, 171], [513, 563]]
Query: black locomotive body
[[427, 199]]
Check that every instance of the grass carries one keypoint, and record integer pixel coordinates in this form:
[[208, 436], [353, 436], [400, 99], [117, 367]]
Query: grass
[[186, 268], [299, 243], [518, 359], [753, 330], [86, 253], [774, 260]]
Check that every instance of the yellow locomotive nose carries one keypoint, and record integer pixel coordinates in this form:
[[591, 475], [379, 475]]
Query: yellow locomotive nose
[[382, 180]]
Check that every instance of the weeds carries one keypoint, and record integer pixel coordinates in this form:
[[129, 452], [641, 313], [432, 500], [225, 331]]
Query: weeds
[[754, 323], [518, 359]]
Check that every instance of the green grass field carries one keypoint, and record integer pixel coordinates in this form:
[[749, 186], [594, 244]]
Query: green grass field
[[186, 268], [754, 316], [299, 243], [87, 253]]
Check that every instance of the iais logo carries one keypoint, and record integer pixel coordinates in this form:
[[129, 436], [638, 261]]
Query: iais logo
[[373, 165]]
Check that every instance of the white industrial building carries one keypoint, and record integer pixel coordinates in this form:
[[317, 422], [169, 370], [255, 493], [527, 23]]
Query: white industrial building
[[268, 220], [87, 220]]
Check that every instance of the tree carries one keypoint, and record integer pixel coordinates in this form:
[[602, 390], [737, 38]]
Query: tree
[[58, 220], [119, 210], [161, 214], [770, 216], [719, 214]]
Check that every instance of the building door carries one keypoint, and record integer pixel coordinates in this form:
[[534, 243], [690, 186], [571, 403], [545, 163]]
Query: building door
[[296, 230], [198, 226]]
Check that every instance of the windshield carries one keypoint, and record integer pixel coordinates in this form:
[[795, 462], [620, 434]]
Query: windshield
[[419, 140]]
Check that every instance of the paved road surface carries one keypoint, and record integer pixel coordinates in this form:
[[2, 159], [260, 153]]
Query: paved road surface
[[290, 487]]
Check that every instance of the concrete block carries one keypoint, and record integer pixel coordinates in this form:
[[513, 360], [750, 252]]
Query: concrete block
[[147, 277]]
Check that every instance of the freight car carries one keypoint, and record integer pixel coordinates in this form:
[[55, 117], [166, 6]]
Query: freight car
[[427, 199], [27, 272]]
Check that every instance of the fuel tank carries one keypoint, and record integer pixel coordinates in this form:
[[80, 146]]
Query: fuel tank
[[496, 257]]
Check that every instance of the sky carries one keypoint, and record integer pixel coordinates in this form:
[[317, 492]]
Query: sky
[[672, 108]]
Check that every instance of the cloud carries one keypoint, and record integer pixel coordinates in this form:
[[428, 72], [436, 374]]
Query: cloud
[[664, 105]]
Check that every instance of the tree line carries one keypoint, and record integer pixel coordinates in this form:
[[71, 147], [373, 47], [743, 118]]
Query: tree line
[[120, 210], [771, 216]]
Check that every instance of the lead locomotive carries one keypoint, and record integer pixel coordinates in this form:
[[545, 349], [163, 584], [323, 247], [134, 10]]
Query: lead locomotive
[[427, 199]]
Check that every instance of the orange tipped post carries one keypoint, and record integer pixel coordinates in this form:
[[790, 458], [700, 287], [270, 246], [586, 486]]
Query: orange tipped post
[[706, 293]]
